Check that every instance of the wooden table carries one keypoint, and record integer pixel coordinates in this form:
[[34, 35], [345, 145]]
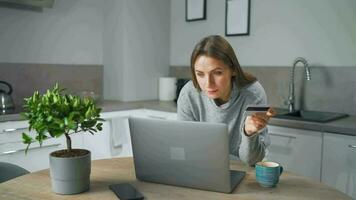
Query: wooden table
[[119, 170]]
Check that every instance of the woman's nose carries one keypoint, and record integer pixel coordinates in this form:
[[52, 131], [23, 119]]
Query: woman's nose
[[210, 81]]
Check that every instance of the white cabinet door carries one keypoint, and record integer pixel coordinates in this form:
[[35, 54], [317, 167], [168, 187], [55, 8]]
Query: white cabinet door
[[115, 141], [12, 149], [298, 151], [339, 162], [37, 158], [97, 143]]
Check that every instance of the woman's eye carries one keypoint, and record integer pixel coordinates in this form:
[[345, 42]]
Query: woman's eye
[[200, 74], [218, 72]]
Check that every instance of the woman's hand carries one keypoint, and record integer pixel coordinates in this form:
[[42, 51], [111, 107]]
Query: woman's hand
[[256, 122]]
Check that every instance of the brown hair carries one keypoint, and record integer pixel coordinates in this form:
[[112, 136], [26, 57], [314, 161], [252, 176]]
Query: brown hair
[[217, 47]]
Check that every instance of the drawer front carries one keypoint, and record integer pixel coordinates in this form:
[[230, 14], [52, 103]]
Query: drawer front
[[12, 131], [298, 151], [339, 162], [12, 149], [36, 157], [7, 127]]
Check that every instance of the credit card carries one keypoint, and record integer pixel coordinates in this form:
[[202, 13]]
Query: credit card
[[250, 110]]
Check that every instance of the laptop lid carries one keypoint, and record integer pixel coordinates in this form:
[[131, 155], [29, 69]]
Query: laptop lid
[[182, 153]]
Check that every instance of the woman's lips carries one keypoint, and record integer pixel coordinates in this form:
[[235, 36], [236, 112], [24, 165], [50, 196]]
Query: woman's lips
[[211, 91]]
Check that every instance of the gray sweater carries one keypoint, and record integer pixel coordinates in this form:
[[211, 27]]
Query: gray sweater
[[196, 106]]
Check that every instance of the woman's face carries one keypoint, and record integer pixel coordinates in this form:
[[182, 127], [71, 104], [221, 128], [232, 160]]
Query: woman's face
[[214, 78]]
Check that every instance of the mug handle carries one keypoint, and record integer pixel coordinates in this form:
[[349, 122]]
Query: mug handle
[[281, 170]]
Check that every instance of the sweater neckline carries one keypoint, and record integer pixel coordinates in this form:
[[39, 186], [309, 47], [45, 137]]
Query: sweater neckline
[[233, 96]]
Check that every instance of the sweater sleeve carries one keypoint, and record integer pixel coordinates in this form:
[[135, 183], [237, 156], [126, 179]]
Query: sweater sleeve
[[253, 148]]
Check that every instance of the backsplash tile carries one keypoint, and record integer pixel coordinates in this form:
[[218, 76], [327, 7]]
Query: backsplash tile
[[26, 78]]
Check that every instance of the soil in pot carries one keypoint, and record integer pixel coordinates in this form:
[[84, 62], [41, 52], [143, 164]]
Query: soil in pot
[[64, 153]]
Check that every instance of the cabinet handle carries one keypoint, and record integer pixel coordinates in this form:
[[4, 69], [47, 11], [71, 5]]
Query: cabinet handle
[[286, 136], [156, 117], [12, 142], [10, 130], [20, 150], [117, 145], [352, 146]]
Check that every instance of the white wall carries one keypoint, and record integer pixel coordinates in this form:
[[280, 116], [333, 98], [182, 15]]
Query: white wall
[[129, 37], [322, 31], [113, 52], [69, 33], [138, 45]]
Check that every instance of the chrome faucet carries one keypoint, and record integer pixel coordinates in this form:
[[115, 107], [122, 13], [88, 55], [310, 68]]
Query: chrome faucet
[[291, 98]]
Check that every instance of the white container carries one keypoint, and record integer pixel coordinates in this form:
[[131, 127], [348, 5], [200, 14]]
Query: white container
[[167, 88]]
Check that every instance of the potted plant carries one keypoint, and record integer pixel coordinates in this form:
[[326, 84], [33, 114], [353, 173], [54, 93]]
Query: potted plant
[[55, 114]]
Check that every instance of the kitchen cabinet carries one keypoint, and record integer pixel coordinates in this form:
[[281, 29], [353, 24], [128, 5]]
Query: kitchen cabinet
[[36, 157], [98, 143], [298, 151], [115, 139], [339, 162], [12, 149]]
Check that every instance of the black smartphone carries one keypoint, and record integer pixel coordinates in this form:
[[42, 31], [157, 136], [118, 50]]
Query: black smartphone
[[126, 191], [250, 110]]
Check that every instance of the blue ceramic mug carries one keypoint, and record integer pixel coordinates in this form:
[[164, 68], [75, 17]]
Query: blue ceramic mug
[[267, 173]]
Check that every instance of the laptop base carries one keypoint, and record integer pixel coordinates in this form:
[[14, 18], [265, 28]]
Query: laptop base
[[236, 178]]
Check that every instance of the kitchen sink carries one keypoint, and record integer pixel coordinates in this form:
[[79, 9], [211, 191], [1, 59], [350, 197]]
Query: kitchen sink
[[312, 116]]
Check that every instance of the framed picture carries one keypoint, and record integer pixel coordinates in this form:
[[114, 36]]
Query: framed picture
[[237, 17], [195, 10]]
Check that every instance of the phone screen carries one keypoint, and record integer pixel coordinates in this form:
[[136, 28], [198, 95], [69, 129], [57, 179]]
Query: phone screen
[[126, 191]]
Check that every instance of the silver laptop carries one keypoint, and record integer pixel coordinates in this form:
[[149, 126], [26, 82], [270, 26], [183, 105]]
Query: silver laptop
[[182, 153]]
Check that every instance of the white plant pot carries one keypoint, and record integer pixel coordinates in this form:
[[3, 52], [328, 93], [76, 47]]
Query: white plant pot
[[70, 175]]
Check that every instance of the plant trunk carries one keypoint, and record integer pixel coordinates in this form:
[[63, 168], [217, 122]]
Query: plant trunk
[[69, 142]]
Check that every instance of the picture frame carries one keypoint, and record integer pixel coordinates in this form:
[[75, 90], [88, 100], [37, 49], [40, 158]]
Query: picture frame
[[237, 17], [195, 10]]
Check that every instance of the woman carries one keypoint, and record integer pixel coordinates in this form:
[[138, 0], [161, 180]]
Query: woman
[[220, 92]]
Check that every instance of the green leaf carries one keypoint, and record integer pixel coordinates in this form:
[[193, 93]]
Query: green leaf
[[49, 118], [53, 114], [26, 138], [66, 121], [99, 126], [100, 119]]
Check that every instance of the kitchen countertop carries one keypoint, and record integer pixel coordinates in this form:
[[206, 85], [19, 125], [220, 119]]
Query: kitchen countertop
[[119, 170], [345, 126], [110, 106]]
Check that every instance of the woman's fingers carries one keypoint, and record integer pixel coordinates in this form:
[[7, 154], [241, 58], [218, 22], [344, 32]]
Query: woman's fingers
[[261, 116], [253, 125], [271, 112], [258, 121], [266, 116]]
